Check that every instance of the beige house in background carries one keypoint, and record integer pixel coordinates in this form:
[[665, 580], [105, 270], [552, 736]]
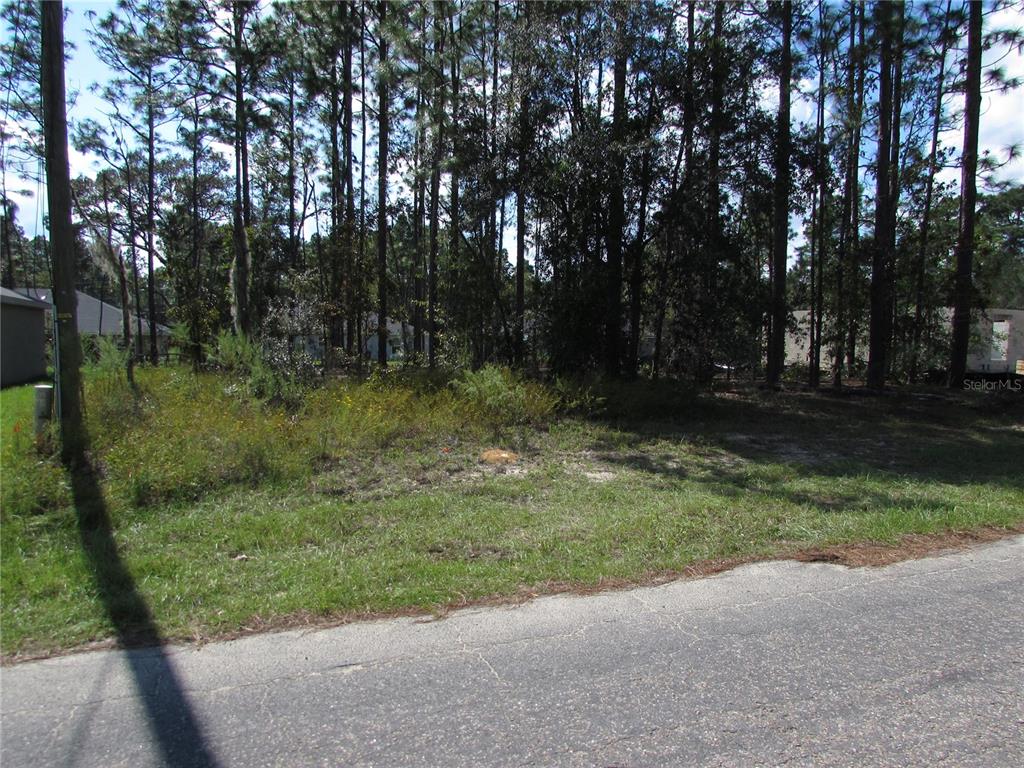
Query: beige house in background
[[997, 341]]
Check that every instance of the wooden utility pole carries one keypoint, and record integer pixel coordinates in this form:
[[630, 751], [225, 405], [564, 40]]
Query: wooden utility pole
[[62, 236]]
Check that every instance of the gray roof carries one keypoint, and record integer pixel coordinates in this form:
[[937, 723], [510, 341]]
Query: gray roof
[[7, 296], [95, 316]]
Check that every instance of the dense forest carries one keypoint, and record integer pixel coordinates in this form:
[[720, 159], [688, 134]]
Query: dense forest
[[617, 187]]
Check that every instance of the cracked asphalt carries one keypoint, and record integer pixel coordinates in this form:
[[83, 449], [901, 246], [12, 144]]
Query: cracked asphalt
[[780, 663]]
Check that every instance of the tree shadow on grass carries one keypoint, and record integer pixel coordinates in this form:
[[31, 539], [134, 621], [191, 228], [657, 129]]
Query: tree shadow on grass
[[811, 476], [171, 719], [820, 491], [819, 435]]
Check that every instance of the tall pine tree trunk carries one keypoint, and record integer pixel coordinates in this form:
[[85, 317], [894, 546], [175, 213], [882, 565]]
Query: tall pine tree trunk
[[617, 201], [780, 221], [521, 225], [963, 286], [850, 190], [5, 242], [854, 305], [334, 247], [358, 308], [821, 219], [293, 235], [715, 240], [418, 194], [383, 125], [151, 223], [636, 277], [132, 245], [196, 279], [240, 269], [455, 211], [349, 226], [122, 283], [881, 256], [437, 118], [929, 191]]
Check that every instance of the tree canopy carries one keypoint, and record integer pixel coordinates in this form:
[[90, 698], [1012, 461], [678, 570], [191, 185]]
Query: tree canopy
[[642, 188]]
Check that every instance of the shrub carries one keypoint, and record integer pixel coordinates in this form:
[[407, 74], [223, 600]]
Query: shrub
[[576, 396], [109, 400], [235, 353], [269, 370], [500, 398], [194, 437]]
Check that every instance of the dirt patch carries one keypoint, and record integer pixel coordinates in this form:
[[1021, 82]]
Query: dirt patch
[[457, 550], [588, 465], [909, 547], [783, 447]]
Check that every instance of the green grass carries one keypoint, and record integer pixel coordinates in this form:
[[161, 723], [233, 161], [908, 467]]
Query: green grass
[[370, 497]]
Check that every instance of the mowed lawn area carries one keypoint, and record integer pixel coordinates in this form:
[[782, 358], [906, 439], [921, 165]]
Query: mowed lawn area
[[233, 514]]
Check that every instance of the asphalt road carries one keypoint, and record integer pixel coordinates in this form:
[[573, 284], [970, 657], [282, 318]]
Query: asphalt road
[[921, 663]]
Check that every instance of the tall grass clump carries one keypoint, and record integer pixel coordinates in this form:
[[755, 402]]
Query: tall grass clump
[[267, 369], [384, 411], [179, 435], [195, 434], [32, 482], [111, 402], [499, 398]]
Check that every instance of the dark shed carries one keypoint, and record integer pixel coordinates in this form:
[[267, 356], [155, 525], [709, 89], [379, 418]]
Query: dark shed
[[22, 338]]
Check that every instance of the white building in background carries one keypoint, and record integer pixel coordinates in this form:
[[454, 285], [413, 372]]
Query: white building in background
[[400, 339], [997, 341]]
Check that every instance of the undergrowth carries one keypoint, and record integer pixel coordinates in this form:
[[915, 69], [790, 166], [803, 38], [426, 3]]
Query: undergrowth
[[233, 509], [179, 435]]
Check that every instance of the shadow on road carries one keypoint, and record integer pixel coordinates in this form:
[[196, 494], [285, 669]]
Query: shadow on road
[[172, 721]]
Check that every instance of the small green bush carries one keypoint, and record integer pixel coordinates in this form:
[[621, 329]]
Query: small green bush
[[269, 370], [500, 398], [181, 435], [235, 353], [32, 482], [578, 397]]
